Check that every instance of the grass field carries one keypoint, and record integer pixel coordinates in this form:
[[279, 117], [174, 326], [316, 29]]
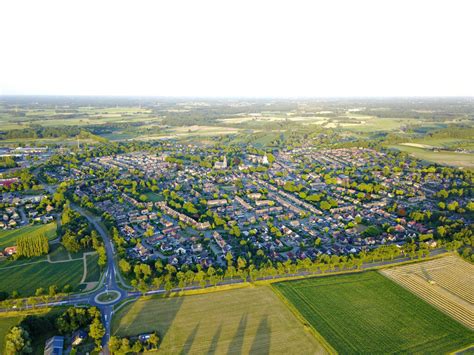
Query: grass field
[[368, 313], [248, 320], [154, 197], [11, 319], [93, 270], [8, 237], [446, 283], [26, 278], [442, 157], [5, 324]]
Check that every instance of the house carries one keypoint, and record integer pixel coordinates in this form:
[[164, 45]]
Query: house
[[54, 346], [78, 337], [144, 337], [221, 164], [10, 250]]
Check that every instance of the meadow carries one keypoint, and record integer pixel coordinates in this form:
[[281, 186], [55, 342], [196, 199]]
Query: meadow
[[26, 278], [8, 237], [368, 313], [247, 320], [442, 157], [58, 268]]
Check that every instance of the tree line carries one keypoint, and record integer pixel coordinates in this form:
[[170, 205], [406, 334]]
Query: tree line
[[32, 245]]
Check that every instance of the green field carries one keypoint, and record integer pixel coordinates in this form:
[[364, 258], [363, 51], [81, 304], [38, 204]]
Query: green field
[[368, 313], [26, 278], [8, 237], [9, 320], [93, 270], [248, 320], [5, 324], [153, 197], [58, 253], [442, 157]]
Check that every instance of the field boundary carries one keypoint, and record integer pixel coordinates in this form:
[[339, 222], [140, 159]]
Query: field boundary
[[460, 351], [304, 322], [433, 291]]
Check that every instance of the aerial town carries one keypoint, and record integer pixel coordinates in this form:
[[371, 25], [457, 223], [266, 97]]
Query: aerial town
[[185, 206]]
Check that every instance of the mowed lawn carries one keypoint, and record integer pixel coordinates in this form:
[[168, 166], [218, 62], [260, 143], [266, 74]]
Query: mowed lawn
[[368, 313], [26, 278], [93, 270], [8, 237], [248, 320]]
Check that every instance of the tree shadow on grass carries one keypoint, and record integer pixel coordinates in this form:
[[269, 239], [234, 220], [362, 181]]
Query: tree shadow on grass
[[215, 340], [190, 340], [261, 342], [235, 347], [131, 319]]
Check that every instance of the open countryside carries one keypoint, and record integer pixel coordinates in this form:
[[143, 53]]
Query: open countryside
[[368, 313], [446, 283], [248, 320]]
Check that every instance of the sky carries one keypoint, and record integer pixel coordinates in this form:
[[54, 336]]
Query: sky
[[239, 48]]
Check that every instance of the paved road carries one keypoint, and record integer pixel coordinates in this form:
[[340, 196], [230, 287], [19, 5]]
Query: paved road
[[110, 277], [109, 281]]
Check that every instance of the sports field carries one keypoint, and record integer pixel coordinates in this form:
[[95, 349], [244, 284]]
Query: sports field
[[368, 313], [239, 321], [446, 283], [8, 237]]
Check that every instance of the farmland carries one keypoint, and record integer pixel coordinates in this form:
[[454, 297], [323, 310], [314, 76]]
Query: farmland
[[27, 278], [345, 309], [446, 283], [237, 321], [8, 238], [442, 157]]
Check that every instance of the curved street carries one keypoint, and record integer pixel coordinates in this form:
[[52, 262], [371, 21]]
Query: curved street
[[112, 280]]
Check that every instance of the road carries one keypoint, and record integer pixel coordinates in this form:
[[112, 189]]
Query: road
[[111, 275]]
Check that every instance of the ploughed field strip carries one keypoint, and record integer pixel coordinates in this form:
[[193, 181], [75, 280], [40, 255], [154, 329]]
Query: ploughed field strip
[[369, 313], [446, 283]]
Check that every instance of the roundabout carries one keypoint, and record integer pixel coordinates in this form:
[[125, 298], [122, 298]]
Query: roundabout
[[107, 297]]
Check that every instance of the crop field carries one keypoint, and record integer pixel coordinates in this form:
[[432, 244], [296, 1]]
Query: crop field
[[368, 313], [248, 320], [446, 283], [8, 237], [442, 157]]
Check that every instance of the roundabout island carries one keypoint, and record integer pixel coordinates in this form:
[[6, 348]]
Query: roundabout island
[[107, 297]]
